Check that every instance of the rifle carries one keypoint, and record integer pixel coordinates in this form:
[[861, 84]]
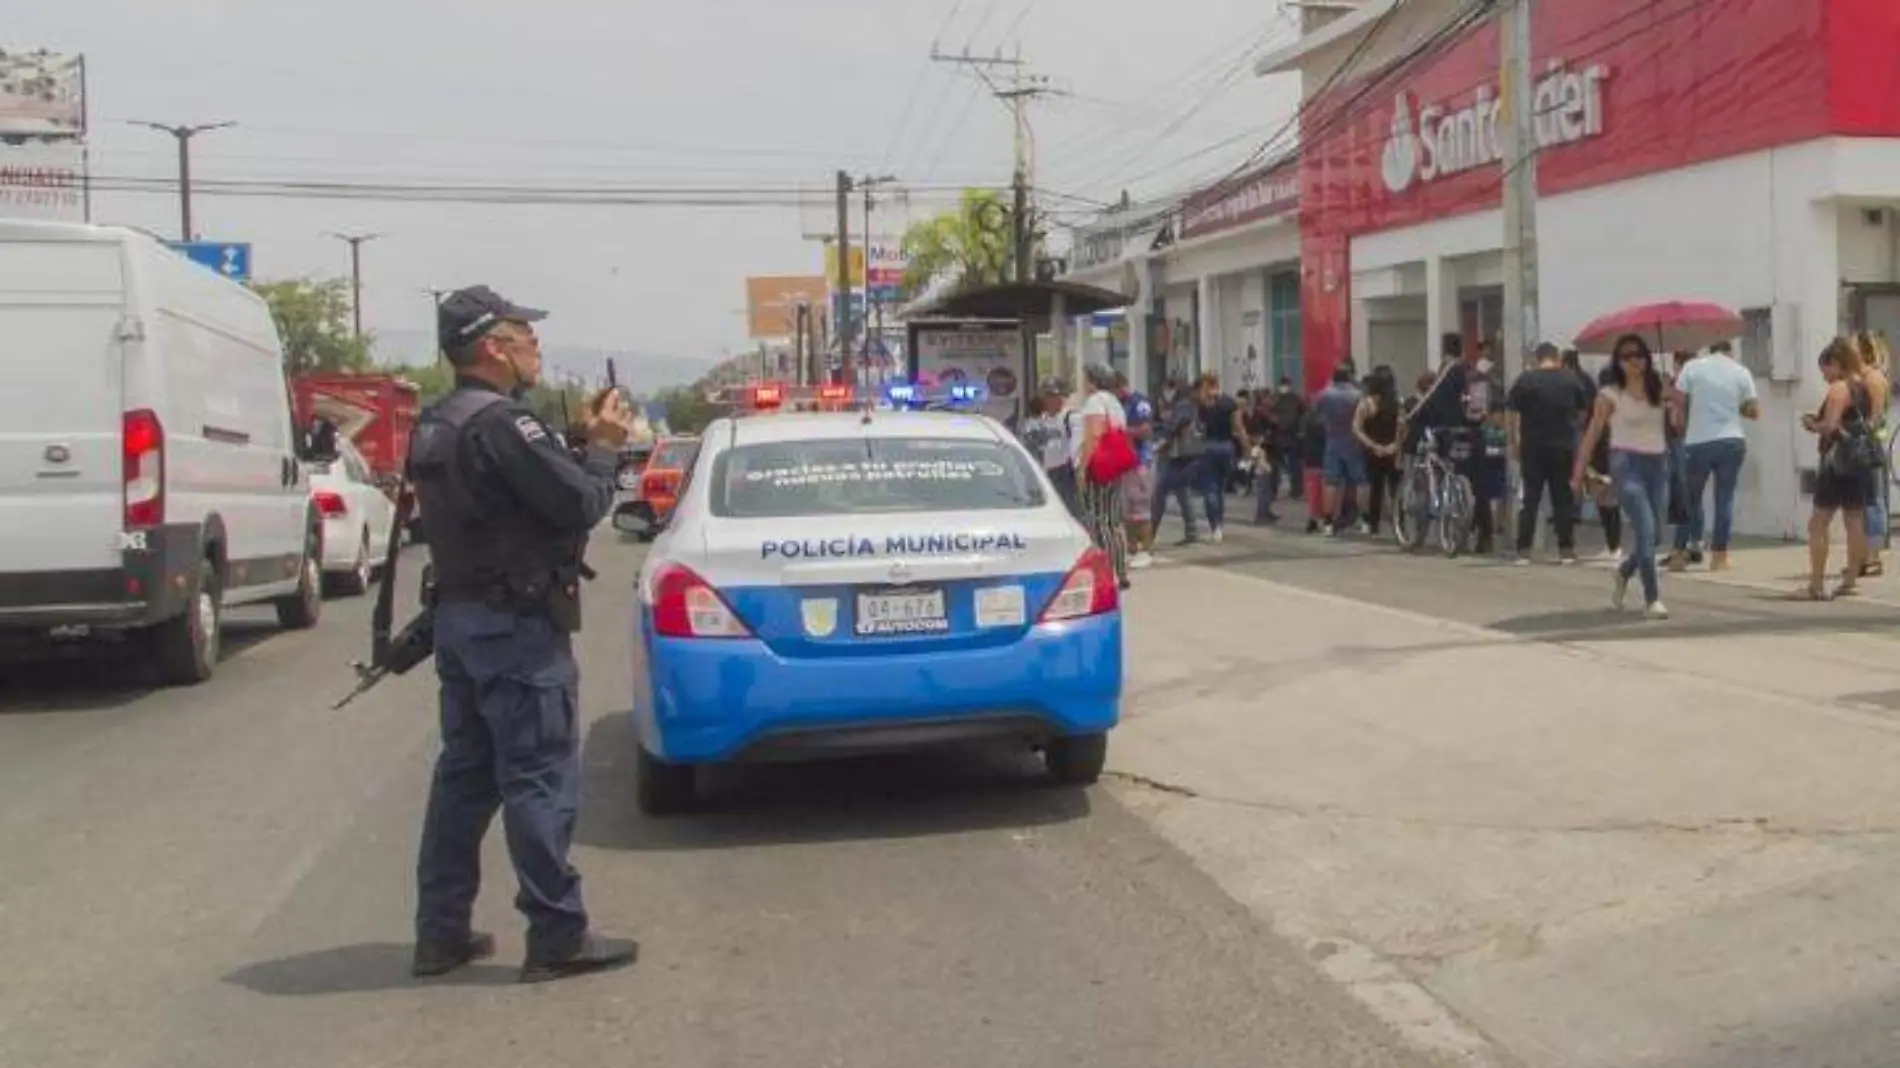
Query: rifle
[[415, 643]]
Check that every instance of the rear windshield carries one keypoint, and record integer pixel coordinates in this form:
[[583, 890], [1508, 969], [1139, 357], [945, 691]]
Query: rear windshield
[[673, 457], [840, 476]]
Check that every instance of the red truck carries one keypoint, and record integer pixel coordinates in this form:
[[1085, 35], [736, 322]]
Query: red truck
[[375, 412]]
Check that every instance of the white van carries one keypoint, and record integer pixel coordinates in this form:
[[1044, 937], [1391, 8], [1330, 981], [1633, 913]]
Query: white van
[[148, 470]]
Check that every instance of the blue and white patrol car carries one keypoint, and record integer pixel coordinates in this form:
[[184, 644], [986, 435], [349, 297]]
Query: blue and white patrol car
[[843, 582]]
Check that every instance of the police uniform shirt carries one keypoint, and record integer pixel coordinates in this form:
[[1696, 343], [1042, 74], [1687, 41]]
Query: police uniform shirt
[[514, 462]]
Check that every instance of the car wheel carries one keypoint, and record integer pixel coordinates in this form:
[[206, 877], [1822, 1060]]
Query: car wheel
[[1077, 760], [664, 789], [302, 610], [186, 647], [356, 582]]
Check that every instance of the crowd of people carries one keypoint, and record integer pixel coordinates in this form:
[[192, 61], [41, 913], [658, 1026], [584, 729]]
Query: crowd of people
[[1640, 443]]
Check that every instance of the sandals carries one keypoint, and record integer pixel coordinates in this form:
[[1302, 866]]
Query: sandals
[[1808, 593]]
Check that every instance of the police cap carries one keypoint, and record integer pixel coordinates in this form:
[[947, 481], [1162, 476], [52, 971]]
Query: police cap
[[467, 314]]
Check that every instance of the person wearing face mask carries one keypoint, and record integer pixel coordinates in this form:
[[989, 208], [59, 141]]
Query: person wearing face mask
[[506, 510]]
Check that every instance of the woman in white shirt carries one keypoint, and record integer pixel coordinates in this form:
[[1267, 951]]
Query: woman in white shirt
[[1101, 505], [1633, 410]]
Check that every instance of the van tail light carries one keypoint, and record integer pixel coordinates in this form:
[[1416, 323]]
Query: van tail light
[[1090, 590], [142, 465], [684, 606], [330, 504]]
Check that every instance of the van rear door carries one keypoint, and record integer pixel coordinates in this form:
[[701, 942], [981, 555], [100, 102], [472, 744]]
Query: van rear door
[[61, 315]]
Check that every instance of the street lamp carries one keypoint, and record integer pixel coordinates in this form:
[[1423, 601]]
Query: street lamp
[[356, 242], [183, 135]]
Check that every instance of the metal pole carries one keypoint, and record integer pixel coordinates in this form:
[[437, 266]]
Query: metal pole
[[356, 287], [1517, 136], [844, 277], [183, 133]]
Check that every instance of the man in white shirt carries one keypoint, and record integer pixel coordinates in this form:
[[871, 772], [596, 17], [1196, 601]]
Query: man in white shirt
[[1718, 394]]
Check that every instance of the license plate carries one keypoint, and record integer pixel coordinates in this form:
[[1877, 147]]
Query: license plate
[[910, 611]]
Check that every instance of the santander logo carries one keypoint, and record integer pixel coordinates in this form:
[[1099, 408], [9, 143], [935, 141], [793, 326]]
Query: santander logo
[[1399, 165], [1439, 140]]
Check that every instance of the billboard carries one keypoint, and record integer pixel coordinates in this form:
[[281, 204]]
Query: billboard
[[43, 180], [772, 304], [971, 352], [42, 93]]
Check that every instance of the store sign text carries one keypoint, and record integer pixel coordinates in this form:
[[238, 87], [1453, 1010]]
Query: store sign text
[[1262, 196], [1567, 107]]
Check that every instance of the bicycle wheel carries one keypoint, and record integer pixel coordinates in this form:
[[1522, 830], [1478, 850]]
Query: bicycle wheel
[[1409, 510], [1455, 517]]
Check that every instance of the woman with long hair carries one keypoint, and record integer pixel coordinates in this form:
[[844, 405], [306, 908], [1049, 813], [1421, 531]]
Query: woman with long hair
[[1878, 376], [1632, 408], [1376, 425], [1844, 428]]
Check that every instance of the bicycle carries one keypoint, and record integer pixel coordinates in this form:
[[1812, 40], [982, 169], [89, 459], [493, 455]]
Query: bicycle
[[1434, 498]]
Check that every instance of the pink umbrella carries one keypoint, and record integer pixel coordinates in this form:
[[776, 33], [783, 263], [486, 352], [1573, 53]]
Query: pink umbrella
[[1672, 326]]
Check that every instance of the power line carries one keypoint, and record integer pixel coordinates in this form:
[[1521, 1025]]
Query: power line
[[917, 83]]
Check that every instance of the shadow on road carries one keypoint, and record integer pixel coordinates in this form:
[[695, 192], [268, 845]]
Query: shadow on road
[[357, 969], [98, 676], [908, 796]]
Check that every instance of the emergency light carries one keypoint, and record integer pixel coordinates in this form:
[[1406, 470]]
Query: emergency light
[[834, 394], [903, 393], [764, 397], [966, 394]]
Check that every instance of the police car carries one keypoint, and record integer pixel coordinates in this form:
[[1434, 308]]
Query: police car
[[868, 579]]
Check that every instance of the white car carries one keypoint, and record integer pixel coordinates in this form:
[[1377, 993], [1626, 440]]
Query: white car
[[358, 519], [149, 477], [848, 582]]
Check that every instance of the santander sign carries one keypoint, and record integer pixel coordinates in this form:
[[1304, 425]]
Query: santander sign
[[1438, 140]]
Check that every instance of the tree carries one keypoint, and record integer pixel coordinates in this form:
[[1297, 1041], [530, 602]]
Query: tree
[[313, 317], [968, 246], [687, 409]]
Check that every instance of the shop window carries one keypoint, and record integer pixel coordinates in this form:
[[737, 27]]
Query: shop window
[[1283, 327], [1758, 342]]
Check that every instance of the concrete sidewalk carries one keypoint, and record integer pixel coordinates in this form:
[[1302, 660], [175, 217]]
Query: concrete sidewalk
[[1619, 854]]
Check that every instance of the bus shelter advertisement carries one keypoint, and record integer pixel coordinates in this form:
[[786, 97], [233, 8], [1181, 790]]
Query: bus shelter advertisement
[[985, 354]]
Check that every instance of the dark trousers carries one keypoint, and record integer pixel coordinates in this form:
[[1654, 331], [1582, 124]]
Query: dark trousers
[[1547, 467], [1176, 478], [1383, 473], [510, 742], [1293, 468], [1064, 479], [1216, 467]]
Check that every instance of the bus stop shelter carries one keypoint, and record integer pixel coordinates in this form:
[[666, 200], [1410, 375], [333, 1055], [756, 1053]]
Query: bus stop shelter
[[1035, 307]]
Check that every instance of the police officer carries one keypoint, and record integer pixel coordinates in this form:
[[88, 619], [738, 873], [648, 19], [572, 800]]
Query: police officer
[[506, 510]]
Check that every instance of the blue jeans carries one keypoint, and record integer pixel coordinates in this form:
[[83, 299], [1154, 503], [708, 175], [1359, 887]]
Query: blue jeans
[[1175, 478], [1722, 459], [1642, 488], [1877, 507], [1216, 468]]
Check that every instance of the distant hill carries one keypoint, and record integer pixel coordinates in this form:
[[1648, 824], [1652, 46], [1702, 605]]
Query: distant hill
[[639, 371]]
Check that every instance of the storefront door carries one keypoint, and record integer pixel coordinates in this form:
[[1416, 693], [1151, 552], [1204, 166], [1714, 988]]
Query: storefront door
[[1481, 315]]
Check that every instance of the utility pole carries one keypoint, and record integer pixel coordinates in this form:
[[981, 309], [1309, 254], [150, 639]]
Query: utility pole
[[183, 135], [1517, 135], [356, 241], [843, 293], [1023, 89], [868, 184], [435, 312]]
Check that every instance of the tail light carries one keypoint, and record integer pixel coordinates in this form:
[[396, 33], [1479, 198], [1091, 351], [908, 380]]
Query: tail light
[[142, 464], [1090, 590], [684, 606], [330, 504]]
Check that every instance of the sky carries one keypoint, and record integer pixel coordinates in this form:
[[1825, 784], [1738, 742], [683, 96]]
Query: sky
[[767, 96]]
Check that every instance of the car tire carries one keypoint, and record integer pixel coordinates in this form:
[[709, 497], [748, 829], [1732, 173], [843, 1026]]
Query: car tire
[[356, 581], [302, 610], [664, 789], [1077, 760], [186, 647]]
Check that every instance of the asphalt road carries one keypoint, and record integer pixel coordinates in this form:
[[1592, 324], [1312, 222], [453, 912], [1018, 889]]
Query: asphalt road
[[222, 876]]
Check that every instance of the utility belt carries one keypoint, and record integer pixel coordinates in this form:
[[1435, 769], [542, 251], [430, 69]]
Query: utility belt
[[555, 595]]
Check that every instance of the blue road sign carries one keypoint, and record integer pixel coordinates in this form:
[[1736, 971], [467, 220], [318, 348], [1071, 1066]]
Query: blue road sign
[[230, 259]]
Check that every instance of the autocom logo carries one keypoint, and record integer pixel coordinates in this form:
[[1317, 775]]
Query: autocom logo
[[1399, 164]]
